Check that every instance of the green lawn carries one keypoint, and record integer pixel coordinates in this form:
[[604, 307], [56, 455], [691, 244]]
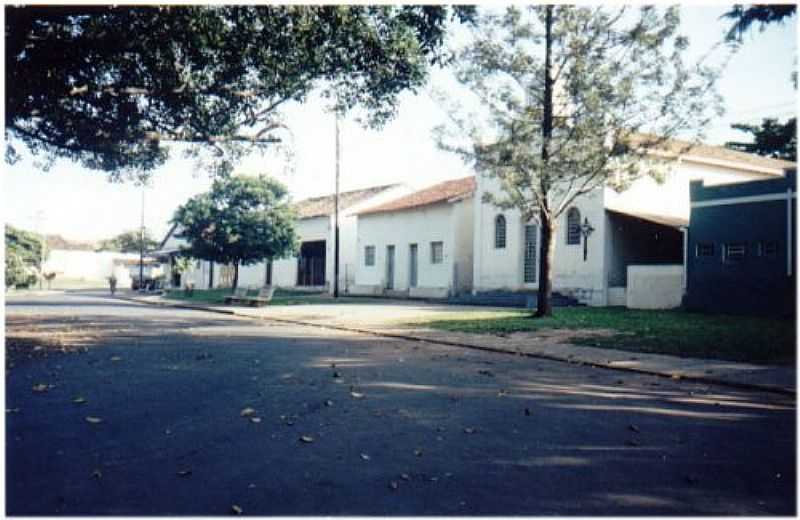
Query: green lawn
[[217, 296], [735, 338]]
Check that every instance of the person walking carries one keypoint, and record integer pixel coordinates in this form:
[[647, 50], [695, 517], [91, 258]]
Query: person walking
[[112, 284]]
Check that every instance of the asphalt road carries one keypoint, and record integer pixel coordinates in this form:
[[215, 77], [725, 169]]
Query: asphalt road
[[393, 427]]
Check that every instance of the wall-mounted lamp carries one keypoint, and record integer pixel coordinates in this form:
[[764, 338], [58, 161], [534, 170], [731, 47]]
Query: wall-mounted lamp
[[586, 230]]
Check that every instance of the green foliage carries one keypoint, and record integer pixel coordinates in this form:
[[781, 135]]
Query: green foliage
[[129, 242], [770, 138], [242, 220], [735, 338], [112, 86], [23, 256], [764, 14]]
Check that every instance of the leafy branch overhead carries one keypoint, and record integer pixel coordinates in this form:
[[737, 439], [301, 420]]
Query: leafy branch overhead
[[242, 220], [112, 86]]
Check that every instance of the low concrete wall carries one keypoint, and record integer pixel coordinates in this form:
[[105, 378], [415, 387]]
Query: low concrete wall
[[617, 296], [365, 290], [428, 292], [654, 286]]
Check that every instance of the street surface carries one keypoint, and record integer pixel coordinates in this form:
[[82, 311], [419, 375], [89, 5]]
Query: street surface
[[119, 408]]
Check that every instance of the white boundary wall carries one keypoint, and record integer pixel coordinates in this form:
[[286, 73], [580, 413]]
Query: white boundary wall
[[654, 286]]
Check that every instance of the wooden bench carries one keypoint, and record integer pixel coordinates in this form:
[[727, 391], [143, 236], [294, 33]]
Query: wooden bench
[[263, 298], [239, 295]]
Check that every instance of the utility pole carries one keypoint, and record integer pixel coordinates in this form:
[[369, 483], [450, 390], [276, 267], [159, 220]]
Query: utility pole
[[336, 218], [141, 245]]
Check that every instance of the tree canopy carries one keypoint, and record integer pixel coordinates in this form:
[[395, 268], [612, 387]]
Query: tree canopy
[[112, 86], [574, 98], [24, 253], [744, 16], [770, 139], [129, 242], [242, 220]]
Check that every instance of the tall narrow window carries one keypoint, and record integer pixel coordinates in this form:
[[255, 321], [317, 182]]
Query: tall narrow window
[[500, 232], [369, 255], [573, 226], [437, 252]]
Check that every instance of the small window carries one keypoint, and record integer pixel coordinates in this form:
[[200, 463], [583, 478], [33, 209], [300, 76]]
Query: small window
[[704, 249], [573, 227], [734, 252], [369, 255], [768, 249], [500, 232], [437, 252]]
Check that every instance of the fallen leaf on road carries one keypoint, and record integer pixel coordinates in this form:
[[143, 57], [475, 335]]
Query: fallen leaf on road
[[328, 403], [486, 373], [631, 442], [79, 400], [12, 410], [418, 452], [116, 358], [337, 374], [469, 430], [393, 485], [184, 472], [527, 411], [501, 393], [255, 420], [247, 412], [364, 456], [634, 428], [356, 395], [236, 509], [41, 387], [307, 439], [405, 476], [97, 474], [94, 420]]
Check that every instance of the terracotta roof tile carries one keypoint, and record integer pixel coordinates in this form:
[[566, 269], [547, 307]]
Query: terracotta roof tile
[[322, 206], [442, 192]]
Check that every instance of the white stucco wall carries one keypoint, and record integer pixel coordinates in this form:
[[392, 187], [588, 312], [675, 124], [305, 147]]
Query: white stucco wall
[[284, 271], [87, 265], [421, 226], [654, 286]]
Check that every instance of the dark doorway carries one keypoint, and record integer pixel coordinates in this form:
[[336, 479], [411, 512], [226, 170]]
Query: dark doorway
[[311, 264], [390, 267]]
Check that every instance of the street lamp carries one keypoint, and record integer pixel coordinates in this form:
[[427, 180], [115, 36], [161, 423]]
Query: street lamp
[[586, 230]]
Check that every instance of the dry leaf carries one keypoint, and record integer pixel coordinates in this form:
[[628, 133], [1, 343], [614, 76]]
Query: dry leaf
[[356, 395], [393, 485], [247, 412], [328, 403], [41, 387], [255, 420], [79, 400], [634, 428], [469, 430], [632, 443], [94, 420], [12, 410], [405, 476], [116, 358], [364, 456], [418, 452], [97, 474], [527, 411], [236, 509], [184, 472], [307, 439]]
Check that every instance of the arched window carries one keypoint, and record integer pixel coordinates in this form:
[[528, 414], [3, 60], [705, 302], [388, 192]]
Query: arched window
[[500, 232], [573, 226]]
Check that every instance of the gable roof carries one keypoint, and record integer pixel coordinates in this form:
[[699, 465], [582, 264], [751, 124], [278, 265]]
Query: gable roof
[[447, 191], [324, 206], [720, 155]]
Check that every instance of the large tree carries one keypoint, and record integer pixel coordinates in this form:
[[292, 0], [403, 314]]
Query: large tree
[[771, 138], [241, 221], [25, 253], [744, 16], [112, 86], [574, 98]]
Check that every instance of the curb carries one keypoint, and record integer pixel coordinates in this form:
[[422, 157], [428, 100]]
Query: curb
[[695, 379]]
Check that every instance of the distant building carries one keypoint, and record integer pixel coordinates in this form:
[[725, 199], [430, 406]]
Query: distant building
[[742, 243]]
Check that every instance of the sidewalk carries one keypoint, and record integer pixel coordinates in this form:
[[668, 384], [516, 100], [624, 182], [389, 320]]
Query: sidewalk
[[390, 319]]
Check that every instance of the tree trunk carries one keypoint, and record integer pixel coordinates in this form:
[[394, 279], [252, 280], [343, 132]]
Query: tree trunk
[[211, 275], [235, 275], [544, 305]]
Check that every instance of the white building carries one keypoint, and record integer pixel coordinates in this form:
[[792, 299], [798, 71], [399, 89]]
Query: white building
[[637, 238], [312, 269], [419, 245], [445, 240]]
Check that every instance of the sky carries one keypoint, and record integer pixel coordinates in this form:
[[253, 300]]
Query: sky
[[83, 205]]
